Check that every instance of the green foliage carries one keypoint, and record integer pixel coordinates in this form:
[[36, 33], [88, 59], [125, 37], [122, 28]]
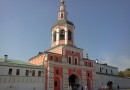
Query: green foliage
[[125, 73], [128, 69], [121, 73]]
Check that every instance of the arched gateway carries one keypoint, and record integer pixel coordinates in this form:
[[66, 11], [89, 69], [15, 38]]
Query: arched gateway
[[74, 82]]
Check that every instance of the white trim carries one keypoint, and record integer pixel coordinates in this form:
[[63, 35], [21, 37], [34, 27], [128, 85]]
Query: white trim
[[66, 35], [57, 36]]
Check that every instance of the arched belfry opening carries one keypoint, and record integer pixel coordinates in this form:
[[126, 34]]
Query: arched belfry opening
[[69, 35], [74, 82], [62, 34], [54, 36]]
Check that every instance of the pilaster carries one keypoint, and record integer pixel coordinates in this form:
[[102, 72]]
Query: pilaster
[[66, 35], [50, 82], [84, 78], [57, 36], [65, 78]]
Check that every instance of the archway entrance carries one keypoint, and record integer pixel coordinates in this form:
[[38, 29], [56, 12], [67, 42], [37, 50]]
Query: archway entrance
[[109, 84], [74, 82]]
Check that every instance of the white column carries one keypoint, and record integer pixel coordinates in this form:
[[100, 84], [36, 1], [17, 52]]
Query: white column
[[65, 78], [52, 36], [50, 83], [84, 79], [66, 35], [57, 36]]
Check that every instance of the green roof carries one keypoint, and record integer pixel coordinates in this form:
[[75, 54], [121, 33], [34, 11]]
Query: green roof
[[62, 22], [15, 62]]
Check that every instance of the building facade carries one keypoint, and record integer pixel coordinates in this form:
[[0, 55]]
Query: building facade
[[62, 67], [105, 74], [64, 62], [19, 75]]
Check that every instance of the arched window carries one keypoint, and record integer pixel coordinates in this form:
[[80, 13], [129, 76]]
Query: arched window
[[61, 15], [54, 36], [69, 35], [62, 35]]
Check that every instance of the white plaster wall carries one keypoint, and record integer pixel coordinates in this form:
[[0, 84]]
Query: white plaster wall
[[104, 67], [21, 83], [5, 69], [122, 82]]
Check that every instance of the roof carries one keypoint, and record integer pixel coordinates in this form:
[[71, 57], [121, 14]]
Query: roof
[[41, 53], [105, 64], [63, 45], [62, 22], [16, 62]]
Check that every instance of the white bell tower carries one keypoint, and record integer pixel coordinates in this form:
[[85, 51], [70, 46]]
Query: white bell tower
[[62, 30]]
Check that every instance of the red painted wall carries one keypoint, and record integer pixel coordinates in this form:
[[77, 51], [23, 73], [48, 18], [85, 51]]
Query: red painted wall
[[74, 54], [57, 83], [58, 77]]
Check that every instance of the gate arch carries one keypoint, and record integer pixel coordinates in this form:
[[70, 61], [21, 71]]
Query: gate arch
[[74, 82]]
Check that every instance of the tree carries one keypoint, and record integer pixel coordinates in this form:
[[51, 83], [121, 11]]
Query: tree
[[121, 73], [128, 69], [127, 72]]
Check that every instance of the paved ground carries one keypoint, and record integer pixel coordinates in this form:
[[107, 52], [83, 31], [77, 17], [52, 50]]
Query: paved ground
[[121, 89]]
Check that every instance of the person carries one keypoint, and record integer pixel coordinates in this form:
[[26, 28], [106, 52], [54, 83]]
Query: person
[[82, 88], [118, 87]]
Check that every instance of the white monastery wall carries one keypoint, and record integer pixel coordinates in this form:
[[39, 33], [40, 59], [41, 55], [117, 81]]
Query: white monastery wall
[[22, 81], [116, 80]]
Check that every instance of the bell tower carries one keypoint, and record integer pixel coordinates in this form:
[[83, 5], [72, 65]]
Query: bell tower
[[62, 30], [62, 14]]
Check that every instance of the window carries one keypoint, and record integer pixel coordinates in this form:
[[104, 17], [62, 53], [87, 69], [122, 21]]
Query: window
[[100, 69], [17, 71], [54, 36], [90, 64], [51, 57], [88, 74], [62, 15], [86, 63], [69, 35], [33, 73], [27, 72], [76, 61], [57, 71], [111, 72], [106, 71], [10, 71], [55, 83], [62, 35], [39, 73], [69, 60], [57, 59]]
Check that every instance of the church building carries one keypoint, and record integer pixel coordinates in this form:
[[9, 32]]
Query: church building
[[62, 67], [64, 63]]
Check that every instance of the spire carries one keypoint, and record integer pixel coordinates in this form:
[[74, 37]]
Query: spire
[[62, 14]]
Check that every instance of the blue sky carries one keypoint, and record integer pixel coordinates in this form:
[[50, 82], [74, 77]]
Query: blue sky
[[102, 28]]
